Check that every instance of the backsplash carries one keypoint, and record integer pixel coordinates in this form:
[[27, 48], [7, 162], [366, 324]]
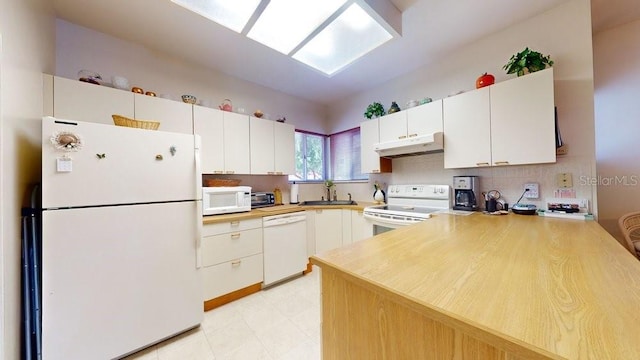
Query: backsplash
[[508, 180]]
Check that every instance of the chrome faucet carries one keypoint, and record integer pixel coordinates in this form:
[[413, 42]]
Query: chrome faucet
[[328, 194], [349, 196]]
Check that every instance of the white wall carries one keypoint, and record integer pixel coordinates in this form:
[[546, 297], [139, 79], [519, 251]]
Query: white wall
[[80, 48], [565, 34], [28, 30], [617, 105]]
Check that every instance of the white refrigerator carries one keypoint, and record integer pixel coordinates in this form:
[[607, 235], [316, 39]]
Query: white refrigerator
[[121, 226]]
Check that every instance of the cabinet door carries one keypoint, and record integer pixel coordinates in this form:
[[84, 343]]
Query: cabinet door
[[467, 130], [328, 229], [285, 148], [424, 119], [261, 146], [174, 116], [81, 101], [208, 123], [236, 143], [360, 228], [370, 161], [393, 126], [523, 120]]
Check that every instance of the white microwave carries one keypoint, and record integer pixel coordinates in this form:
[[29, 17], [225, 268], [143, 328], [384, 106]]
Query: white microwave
[[225, 199]]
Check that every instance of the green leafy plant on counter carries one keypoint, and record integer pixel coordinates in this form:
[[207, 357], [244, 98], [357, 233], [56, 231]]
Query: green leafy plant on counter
[[328, 184], [374, 110], [527, 61]]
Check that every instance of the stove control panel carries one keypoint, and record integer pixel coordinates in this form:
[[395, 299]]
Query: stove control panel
[[419, 191]]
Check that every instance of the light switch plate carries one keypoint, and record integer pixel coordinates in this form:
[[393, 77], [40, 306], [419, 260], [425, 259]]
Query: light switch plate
[[64, 164], [534, 191], [564, 180]]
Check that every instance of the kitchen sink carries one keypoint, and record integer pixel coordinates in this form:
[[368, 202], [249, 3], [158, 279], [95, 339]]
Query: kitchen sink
[[327, 202]]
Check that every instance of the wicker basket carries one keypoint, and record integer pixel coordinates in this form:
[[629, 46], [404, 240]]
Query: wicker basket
[[140, 124], [221, 182]]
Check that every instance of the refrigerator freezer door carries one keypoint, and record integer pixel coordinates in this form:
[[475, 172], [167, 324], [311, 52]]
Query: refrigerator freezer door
[[115, 165], [116, 279]]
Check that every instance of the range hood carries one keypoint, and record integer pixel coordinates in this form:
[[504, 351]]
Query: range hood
[[417, 145]]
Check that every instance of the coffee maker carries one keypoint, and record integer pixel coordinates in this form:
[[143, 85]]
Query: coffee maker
[[465, 193]]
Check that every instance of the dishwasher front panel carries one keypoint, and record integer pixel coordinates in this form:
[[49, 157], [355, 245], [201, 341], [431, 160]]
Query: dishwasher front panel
[[285, 246]]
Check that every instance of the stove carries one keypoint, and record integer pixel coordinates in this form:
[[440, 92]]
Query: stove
[[408, 204]]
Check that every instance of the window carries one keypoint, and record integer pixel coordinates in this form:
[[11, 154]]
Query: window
[[320, 157], [310, 157], [345, 155]]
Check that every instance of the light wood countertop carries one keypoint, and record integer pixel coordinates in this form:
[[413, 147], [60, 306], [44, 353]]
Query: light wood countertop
[[558, 288], [277, 210]]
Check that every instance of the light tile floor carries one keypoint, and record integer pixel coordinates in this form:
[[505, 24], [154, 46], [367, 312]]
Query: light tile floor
[[279, 323]]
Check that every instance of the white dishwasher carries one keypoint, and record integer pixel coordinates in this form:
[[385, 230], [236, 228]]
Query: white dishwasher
[[285, 246]]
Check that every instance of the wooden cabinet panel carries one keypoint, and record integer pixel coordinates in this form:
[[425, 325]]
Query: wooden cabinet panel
[[285, 148], [328, 229], [262, 146], [393, 126], [424, 119], [236, 143]]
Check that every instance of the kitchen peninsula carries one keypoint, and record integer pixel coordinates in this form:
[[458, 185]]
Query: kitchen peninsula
[[482, 287]]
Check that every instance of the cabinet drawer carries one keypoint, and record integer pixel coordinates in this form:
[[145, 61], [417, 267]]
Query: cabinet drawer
[[231, 226], [221, 248], [227, 277]]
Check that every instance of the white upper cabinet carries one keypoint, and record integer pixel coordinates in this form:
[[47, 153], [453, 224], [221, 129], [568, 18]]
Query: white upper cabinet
[[419, 120], [370, 161], [262, 146], [272, 147], [393, 126], [424, 119], [523, 120], [236, 143], [209, 124], [81, 101], [174, 116], [467, 130], [508, 123], [285, 148]]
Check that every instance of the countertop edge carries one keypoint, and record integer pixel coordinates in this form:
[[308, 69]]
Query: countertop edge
[[504, 341]]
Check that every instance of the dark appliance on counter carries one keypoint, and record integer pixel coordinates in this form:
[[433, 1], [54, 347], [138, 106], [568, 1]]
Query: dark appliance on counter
[[262, 199], [466, 190]]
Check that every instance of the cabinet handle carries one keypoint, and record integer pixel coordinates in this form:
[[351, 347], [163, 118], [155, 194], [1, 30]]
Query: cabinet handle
[[482, 164], [375, 171], [230, 172], [318, 211], [218, 172], [235, 236], [270, 172], [235, 223], [236, 263], [413, 135], [501, 163], [278, 172], [402, 137]]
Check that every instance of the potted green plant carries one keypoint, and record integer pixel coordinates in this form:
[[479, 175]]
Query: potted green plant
[[374, 110], [527, 61]]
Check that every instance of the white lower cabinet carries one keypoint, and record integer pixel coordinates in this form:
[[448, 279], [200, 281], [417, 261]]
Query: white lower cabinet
[[231, 256], [360, 227], [328, 229]]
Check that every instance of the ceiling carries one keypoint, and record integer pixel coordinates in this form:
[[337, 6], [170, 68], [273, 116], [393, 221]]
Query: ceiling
[[163, 26]]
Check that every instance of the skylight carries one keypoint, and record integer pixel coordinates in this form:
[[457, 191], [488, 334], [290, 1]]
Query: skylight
[[326, 35]]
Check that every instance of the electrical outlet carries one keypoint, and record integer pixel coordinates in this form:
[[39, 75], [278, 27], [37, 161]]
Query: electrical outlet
[[564, 180], [534, 191]]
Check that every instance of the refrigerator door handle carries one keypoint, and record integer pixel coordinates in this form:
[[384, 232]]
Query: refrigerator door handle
[[196, 153], [199, 235]]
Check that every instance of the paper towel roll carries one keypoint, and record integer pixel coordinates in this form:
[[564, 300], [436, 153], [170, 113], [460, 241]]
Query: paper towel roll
[[294, 194]]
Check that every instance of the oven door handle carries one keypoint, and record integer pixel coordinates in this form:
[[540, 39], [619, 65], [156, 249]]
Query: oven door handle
[[384, 220]]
